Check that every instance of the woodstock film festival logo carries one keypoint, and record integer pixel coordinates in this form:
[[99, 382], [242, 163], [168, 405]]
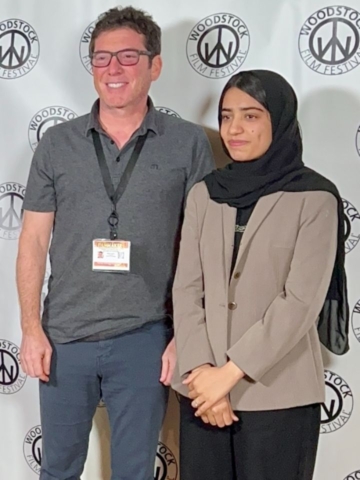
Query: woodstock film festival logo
[[165, 465], [84, 47], [168, 111], [19, 48], [11, 201], [352, 226], [12, 378], [32, 448], [355, 321], [339, 403], [353, 476], [329, 40], [46, 118], [218, 45]]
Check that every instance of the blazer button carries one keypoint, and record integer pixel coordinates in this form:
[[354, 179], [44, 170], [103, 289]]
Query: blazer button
[[237, 275], [232, 305]]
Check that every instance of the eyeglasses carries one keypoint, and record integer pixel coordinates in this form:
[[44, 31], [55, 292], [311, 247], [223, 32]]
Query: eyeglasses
[[126, 57]]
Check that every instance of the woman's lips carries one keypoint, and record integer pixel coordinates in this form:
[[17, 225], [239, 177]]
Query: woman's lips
[[238, 143]]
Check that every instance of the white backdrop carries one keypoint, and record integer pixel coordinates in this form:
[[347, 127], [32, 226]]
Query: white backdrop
[[45, 79]]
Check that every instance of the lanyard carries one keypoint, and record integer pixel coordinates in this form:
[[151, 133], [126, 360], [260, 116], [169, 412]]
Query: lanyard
[[115, 195]]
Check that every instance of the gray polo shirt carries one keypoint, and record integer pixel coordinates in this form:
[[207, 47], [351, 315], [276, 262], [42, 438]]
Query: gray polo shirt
[[65, 178]]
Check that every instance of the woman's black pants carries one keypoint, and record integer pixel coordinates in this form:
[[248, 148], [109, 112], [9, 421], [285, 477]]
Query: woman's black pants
[[264, 445]]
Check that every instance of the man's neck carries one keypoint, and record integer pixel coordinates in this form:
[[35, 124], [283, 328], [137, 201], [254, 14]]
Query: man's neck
[[121, 123]]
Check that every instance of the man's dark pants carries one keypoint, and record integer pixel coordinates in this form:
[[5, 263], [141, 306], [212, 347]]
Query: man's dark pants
[[124, 371]]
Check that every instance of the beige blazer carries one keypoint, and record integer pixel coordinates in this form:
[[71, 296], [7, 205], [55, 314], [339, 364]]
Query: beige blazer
[[264, 317]]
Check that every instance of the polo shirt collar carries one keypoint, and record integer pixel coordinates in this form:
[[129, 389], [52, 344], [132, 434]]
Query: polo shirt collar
[[149, 122]]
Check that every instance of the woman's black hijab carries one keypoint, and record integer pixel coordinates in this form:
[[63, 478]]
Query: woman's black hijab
[[281, 168]]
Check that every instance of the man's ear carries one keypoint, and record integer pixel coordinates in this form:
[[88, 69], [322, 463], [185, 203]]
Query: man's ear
[[156, 67]]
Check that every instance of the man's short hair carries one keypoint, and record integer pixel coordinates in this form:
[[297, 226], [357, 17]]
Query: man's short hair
[[132, 18]]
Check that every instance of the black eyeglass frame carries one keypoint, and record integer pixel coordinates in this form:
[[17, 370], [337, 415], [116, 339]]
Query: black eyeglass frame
[[115, 54]]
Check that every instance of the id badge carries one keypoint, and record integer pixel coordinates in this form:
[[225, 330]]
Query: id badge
[[111, 255]]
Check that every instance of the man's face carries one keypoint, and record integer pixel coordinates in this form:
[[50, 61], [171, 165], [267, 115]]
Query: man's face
[[121, 86]]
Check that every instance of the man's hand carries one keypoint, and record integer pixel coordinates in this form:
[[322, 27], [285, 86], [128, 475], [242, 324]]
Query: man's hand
[[168, 363], [35, 354], [208, 386], [220, 415]]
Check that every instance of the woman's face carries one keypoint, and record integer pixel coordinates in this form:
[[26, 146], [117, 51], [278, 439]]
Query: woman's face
[[245, 126]]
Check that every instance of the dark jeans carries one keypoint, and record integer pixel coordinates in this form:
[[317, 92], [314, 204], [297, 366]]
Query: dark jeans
[[266, 445], [125, 372]]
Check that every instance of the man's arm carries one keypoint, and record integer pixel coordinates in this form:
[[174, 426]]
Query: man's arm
[[35, 352]]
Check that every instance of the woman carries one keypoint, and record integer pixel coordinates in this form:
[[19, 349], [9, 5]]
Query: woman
[[260, 275]]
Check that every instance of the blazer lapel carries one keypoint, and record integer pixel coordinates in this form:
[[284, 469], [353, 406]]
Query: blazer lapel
[[261, 211], [228, 220]]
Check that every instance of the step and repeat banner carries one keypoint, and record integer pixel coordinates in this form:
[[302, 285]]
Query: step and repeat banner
[[45, 79]]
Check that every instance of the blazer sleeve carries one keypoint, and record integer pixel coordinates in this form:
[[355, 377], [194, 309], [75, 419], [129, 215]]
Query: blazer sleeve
[[293, 312], [192, 343]]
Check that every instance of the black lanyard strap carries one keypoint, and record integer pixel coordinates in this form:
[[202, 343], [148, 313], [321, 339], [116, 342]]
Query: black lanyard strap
[[115, 195]]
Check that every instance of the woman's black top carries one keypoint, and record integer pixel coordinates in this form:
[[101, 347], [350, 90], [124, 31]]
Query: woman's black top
[[242, 219]]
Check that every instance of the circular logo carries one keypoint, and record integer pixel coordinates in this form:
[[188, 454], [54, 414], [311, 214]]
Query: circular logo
[[165, 465], [12, 378], [11, 200], [355, 320], [329, 40], [19, 48], [352, 226], [45, 118], [218, 45], [357, 141], [84, 46], [338, 407], [353, 476], [168, 111], [33, 448]]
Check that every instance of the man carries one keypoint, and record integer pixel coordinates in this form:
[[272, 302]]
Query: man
[[105, 329]]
